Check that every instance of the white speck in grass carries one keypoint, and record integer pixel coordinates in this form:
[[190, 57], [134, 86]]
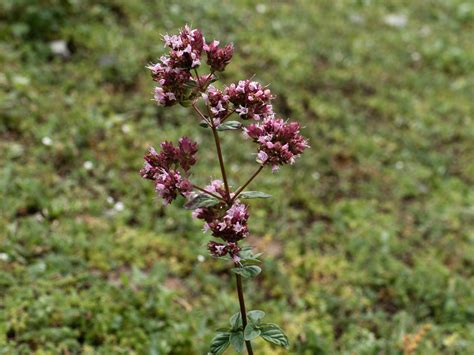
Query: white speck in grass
[[201, 258], [356, 18], [261, 8], [399, 165], [316, 175], [21, 80], [60, 48], [175, 9], [4, 257], [88, 165], [110, 200], [425, 31], [119, 206], [46, 141], [415, 56], [396, 20], [125, 128]]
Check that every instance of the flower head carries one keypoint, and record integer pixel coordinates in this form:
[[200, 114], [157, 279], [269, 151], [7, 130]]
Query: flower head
[[163, 168], [220, 249], [172, 82], [279, 142], [218, 103], [186, 47], [218, 58], [227, 223], [251, 100]]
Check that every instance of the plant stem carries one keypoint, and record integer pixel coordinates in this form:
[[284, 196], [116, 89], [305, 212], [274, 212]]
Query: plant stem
[[204, 118], [207, 192], [247, 183], [243, 312], [221, 161]]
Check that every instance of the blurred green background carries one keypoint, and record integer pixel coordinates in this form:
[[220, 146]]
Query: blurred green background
[[368, 241]]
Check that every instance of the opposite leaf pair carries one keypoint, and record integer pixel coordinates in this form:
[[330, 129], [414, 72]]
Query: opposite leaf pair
[[236, 335]]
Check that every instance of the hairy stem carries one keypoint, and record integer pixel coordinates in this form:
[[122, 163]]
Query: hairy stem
[[243, 312], [247, 183]]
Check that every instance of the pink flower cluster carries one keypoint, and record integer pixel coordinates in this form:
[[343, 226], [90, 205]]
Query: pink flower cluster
[[173, 72], [251, 100], [172, 82], [163, 168], [218, 58], [229, 224], [279, 142], [218, 104], [220, 249], [186, 48]]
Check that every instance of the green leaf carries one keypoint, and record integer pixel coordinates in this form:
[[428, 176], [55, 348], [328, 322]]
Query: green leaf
[[186, 103], [273, 334], [229, 125], [191, 84], [254, 194], [220, 342], [237, 340], [255, 316], [247, 271], [204, 124], [201, 200], [246, 255], [236, 321], [251, 332]]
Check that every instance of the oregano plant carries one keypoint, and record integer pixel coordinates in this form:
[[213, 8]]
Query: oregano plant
[[218, 205]]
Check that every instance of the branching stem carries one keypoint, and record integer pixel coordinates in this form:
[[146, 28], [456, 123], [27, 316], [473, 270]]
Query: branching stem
[[237, 193], [208, 192]]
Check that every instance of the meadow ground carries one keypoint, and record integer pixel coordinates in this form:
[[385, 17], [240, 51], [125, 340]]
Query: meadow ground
[[368, 241]]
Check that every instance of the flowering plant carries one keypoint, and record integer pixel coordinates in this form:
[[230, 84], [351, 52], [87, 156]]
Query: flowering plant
[[221, 209]]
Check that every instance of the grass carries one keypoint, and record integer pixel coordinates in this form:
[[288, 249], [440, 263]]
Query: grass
[[368, 241]]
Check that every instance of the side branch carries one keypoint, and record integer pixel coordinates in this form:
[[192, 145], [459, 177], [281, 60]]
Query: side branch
[[208, 192], [247, 183]]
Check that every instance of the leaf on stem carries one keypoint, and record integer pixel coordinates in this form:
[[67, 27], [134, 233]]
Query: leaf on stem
[[236, 321], [251, 332], [247, 271], [229, 125], [191, 84], [255, 316], [201, 200], [237, 340], [273, 334], [219, 343], [254, 194], [247, 256]]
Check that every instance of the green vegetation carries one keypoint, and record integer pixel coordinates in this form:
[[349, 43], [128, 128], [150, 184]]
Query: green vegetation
[[368, 241]]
